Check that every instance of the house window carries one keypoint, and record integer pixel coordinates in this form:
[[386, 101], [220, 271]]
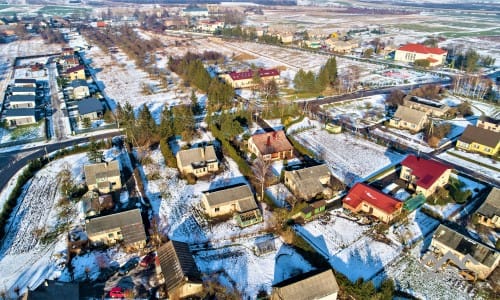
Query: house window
[[111, 235], [216, 209], [487, 149]]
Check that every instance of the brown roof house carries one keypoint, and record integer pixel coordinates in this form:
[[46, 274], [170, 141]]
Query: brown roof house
[[271, 145], [408, 118], [126, 227], [235, 199], [480, 140], [430, 107], [489, 123], [104, 177], [307, 286], [182, 278], [198, 161], [488, 214], [463, 252], [309, 182]]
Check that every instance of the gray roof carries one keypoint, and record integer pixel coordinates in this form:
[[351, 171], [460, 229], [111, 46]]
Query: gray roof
[[78, 82], [129, 222], [51, 289], [489, 120], [480, 135], [240, 193], [90, 105], [24, 80], [196, 155], [23, 89], [177, 264], [306, 286], [22, 98], [409, 115], [20, 112], [101, 170], [307, 179], [465, 245], [491, 206]]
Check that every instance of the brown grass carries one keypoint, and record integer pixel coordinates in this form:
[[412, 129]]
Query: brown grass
[[244, 56]]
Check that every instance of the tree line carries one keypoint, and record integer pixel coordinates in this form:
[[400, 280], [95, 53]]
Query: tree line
[[309, 82]]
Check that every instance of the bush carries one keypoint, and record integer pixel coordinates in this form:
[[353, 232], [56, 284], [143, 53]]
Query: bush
[[191, 179]]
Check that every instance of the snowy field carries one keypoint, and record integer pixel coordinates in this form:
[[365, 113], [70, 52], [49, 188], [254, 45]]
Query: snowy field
[[362, 111], [418, 226], [493, 171], [351, 159], [22, 133]]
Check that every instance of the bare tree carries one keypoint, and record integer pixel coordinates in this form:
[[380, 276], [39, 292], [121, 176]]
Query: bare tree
[[261, 170]]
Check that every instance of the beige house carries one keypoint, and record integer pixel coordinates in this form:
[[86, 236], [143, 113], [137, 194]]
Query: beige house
[[126, 227], [479, 140], [488, 214], [309, 182], [22, 101], [489, 123], [236, 199], [412, 52], [430, 107], [408, 118], [271, 145], [75, 73], [339, 46], [20, 116], [80, 89], [104, 177], [464, 252], [307, 286], [197, 161], [423, 175], [182, 277]]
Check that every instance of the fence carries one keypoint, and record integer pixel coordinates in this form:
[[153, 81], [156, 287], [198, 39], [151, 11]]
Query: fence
[[87, 130]]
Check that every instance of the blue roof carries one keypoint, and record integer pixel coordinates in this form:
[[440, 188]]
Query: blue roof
[[22, 98], [90, 105], [20, 112], [78, 82], [22, 89]]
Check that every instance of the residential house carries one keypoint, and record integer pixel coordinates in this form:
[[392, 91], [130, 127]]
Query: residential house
[[90, 108], [480, 140], [464, 251], [210, 25], [309, 182], [67, 51], [423, 175], [489, 123], [339, 46], [195, 12], [408, 118], [25, 82], [245, 79], [488, 214], [285, 37], [125, 227], [23, 91], [313, 44], [271, 145], [104, 177], [311, 285], [175, 22], [430, 107], [69, 61], [412, 52], [237, 199], [77, 72], [80, 89], [51, 289], [20, 116], [197, 161], [182, 277], [22, 101], [364, 198]]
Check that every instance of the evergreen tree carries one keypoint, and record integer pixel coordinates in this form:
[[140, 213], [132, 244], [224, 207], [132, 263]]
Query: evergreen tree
[[196, 108], [166, 123], [94, 154]]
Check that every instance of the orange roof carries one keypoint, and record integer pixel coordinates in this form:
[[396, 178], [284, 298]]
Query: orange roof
[[361, 192], [272, 142], [418, 48]]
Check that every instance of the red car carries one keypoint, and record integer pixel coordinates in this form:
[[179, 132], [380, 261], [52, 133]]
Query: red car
[[116, 292], [148, 259]]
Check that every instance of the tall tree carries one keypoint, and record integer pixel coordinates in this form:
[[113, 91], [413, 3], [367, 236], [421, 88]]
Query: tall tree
[[166, 123], [94, 154]]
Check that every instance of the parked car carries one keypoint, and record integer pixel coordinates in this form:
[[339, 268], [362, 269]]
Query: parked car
[[148, 259], [116, 292], [128, 266]]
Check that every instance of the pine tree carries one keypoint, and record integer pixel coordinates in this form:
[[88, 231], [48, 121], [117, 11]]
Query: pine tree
[[94, 154], [166, 123], [196, 108]]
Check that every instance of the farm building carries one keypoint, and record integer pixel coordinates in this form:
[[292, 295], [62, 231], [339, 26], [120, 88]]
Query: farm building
[[480, 140], [488, 214], [245, 79], [412, 52], [182, 277], [197, 161], [271, 145], [423, 175], [311, 285], [104, 177]]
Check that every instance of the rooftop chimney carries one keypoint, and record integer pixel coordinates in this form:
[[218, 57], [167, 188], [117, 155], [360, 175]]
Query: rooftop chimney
[[268, 141]]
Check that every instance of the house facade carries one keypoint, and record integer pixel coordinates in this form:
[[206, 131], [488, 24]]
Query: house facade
[[488, 123], [25, 82], [479, 140], [312, 285], [237, 199], [197, 161], [363, 198], [408, 118], [488, 214], [271, 146], [23, 91], [90, 108], [411, 52], [309, 182], [245, 79], [126, 227], [22, 101], [104, 177], [464, 252], [20, 116], [80, 89], [424, 176], [77, 72]]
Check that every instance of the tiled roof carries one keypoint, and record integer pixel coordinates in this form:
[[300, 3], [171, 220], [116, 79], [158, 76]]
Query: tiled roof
[[197, 155], [177, 264], [427, 171], [409, 115], [491, 206], [311, 285], [473, 134], [90, 105], [418, 48], [75, 69], [101, 170], [129, 222], [361, 192], [249, 74], [271, 142]]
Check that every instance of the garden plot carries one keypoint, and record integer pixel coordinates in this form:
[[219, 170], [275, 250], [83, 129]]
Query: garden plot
[[350, 158], [367, 110]]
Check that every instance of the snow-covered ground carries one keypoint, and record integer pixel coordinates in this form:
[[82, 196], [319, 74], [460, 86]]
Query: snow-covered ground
[[350, 158], [493, 171], [22, 133], [362, 111], [418, 226]]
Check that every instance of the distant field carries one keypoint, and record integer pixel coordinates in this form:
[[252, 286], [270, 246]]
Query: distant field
[[62, 10], [424, 28], [455, 34]]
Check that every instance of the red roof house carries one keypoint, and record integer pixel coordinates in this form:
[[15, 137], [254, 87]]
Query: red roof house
[[422, 49], [245, 79], [364, 198], [424, 175], [271, 145], [413, 52]]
